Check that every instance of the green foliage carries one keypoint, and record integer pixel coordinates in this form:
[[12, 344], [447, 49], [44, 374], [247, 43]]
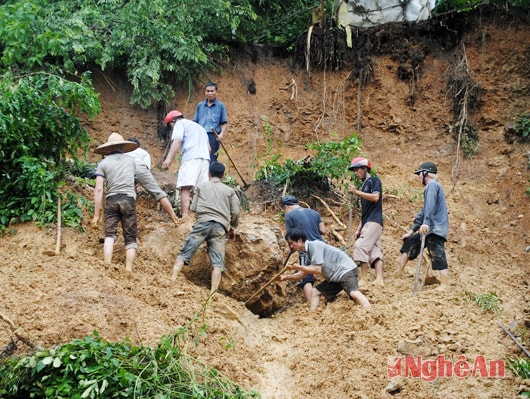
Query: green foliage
[[230, 180], [332, 158], [489, 302], [94, 368], [38, 131], [521, 368], [329, 164], [469, 138], [155, 42], [443, 6], [279, 174], [267, 134], [522, 126], [279, 23], [39, 124]]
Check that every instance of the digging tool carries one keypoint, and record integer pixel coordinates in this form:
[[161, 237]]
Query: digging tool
[[245, 184], [425, 274], [514, 339], [420, 256], [272, 279]]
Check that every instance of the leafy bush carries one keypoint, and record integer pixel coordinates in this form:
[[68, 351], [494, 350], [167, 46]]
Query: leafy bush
[[328, 165], [522, 126], [332, 158], [94, 368], [39, 130]]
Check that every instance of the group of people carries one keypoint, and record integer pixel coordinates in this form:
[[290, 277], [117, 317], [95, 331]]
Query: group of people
[[216, 208], [199, 181], [340, 271]]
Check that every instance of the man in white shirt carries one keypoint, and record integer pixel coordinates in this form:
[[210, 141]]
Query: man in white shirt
[[191, 140], [145, 178]]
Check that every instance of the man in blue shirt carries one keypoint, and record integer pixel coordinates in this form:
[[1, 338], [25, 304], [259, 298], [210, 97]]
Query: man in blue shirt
[[311, 223], [432, 220], [211, 114]]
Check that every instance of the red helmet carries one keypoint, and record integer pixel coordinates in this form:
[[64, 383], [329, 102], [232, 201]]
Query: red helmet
[[360, 162], [172, 115]]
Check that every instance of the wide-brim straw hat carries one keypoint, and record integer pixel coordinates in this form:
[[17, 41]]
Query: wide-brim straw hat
[[116, 143]]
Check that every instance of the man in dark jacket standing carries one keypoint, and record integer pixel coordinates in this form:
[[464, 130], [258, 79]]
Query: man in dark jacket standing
[[432, 220]]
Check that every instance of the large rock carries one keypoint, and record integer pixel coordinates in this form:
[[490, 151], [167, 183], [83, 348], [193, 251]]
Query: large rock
[[255, 255]]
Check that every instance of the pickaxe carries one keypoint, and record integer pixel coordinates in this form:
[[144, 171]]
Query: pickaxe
[[245, 184]]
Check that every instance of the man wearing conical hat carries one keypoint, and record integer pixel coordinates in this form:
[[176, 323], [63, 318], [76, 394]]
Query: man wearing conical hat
[[117, 169]]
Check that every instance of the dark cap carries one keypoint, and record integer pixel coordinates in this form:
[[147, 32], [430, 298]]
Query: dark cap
[[427, 167], [289, 200]]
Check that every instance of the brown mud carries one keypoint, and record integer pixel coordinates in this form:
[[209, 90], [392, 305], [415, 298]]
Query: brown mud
[[404, 116]]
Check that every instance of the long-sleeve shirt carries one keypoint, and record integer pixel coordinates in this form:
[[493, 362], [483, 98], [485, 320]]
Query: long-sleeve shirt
[[215, 201], [434, 211]]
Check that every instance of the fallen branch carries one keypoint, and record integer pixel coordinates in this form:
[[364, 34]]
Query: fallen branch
[[339, 237], [395, 223], [329, 210], [14, 332]]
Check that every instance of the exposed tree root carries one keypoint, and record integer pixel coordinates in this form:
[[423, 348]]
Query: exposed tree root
[[14, 333]]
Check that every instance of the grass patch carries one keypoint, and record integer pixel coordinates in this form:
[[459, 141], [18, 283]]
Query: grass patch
[[489, 302]]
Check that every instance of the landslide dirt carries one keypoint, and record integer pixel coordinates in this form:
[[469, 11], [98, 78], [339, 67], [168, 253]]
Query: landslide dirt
[[337, 351]]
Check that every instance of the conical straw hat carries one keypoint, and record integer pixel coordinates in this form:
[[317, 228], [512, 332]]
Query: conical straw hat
[[116, 143]]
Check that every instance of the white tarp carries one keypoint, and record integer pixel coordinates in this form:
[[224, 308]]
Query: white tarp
[[368, 13]]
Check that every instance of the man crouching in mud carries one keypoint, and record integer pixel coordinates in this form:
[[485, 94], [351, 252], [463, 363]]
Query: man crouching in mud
[[338, 269]]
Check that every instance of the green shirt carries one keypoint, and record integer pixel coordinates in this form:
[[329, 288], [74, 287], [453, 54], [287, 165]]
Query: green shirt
[[215, 201]]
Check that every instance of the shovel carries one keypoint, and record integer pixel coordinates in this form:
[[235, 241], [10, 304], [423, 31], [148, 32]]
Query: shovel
[[272, 279], [420, 256], [245, 184]]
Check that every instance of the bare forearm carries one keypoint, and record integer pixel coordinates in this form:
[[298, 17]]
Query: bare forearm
[[173, 150], [372, 197], [309, 269], [293, 276]]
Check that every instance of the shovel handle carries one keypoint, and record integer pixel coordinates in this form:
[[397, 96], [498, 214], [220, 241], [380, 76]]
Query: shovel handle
[[229, 157], [420, 256]]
